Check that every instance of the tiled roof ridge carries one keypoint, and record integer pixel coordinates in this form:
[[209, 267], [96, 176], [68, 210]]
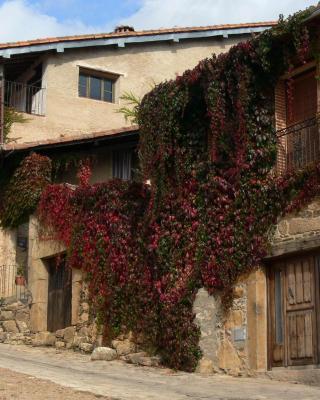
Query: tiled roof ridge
[[134, 33]]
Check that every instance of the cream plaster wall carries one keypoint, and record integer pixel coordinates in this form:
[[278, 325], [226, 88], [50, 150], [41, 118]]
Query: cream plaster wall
[[139, 68], [39, 251], [7, 262]]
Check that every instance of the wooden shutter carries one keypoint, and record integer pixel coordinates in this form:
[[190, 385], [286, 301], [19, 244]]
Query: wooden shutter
[[303, 105]]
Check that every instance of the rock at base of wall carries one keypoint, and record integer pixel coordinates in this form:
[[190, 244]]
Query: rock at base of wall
[[205, 366], [10, 326], [124, 347], [86, 347], [6, 315], [60, 345], [104, 353], [68, 334], [44, 339]]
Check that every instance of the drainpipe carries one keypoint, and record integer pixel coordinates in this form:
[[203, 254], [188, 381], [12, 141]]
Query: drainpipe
[[1, 106]]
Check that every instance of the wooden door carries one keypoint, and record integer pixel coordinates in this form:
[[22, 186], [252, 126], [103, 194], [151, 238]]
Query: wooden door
[[294, 311], [59, 295]]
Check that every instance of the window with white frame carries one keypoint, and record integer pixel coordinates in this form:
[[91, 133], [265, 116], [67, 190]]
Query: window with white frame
[[97, 85]]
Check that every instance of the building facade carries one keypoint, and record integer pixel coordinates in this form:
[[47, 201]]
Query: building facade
[[274, 322]]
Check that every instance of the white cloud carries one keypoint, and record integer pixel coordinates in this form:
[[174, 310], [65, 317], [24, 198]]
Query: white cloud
[[167, 13], [20, 21]]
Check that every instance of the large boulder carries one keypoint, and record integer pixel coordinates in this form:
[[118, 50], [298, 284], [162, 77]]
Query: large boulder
[[86, 347], [103, 353], [68, 334], [23, 327], [6, 315], [124, 347], [44, 339], [3, 337], [23, 315], [10, 326]]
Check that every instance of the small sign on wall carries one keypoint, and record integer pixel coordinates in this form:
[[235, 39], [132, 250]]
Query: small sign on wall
[[239, 334]]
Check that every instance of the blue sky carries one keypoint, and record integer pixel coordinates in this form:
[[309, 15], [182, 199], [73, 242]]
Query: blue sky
[[91, 12], [29, 19]]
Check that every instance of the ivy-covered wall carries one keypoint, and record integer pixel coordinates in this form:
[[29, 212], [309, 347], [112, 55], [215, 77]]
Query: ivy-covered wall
[[208, 146]]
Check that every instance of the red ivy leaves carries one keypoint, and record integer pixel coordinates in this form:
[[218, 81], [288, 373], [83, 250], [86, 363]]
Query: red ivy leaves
[[208, 144]]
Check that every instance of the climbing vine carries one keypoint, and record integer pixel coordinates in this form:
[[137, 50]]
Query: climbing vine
[[208, 146], [20, 196]]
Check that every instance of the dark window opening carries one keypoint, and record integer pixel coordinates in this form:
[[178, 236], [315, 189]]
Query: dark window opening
[[97, 86], [122, 164]]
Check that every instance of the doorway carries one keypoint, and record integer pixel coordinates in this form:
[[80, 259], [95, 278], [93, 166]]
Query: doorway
[[293, 300], [59, 294]]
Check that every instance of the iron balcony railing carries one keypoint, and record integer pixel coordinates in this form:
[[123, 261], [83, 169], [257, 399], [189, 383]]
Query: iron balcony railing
[[9, 288], [298, 145], [25, 98]]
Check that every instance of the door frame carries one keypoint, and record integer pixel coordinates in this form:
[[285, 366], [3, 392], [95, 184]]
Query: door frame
[[270, 344]]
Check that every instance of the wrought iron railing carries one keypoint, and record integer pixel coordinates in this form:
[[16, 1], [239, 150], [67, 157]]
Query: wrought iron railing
[[25, 98], [298, 145], [9, 288]]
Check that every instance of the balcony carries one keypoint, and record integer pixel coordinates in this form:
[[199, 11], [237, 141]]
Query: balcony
[[298, 145], [25, 98], [9, 288]]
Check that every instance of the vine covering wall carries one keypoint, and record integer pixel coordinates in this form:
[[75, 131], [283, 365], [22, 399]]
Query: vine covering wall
[[208, 145]]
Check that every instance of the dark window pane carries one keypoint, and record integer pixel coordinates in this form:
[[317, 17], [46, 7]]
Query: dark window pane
[[108, 85], [107, 96], [83, 85], [122, 164], [95, 88]]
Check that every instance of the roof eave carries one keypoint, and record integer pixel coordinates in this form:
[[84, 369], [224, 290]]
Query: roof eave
[[314, 15], [60, 47]]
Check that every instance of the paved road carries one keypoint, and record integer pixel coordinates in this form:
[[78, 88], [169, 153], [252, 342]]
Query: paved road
[[127, 382]]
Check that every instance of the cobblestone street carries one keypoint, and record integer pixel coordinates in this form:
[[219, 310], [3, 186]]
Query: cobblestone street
[[70, 372]]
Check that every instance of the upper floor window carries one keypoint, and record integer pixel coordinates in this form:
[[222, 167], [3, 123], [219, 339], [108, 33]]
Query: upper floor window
[[296, 106], [97, 86]]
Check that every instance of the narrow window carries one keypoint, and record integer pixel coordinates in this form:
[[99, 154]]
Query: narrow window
[[278, 308], [83, 84], [122, 164]]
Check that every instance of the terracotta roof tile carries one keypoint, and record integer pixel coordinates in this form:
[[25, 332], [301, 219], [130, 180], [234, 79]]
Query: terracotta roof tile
[[69, 139], [133, 34]]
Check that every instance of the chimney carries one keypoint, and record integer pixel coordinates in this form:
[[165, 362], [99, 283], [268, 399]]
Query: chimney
[[123, 29]]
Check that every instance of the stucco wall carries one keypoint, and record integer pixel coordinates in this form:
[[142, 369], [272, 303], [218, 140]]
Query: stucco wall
[[139, 67], [7, 261]]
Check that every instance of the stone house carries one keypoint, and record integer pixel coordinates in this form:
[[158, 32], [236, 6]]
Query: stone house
[[69, 91], [274, 324]]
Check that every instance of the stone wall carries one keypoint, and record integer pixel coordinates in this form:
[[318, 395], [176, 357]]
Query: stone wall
[[85, 336], [223, 337], [16, 328], [298, 231], [15, 323], [234, 342]]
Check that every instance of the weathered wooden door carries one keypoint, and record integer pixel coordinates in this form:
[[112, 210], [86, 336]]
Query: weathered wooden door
[[59, 295], [294, 311]]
